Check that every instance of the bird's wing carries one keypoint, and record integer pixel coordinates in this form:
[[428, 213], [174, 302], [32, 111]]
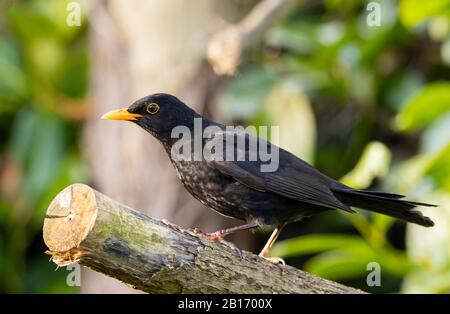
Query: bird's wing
[[293, 178]]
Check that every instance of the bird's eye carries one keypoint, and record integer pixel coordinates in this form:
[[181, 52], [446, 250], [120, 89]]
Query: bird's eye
[[152, 108]]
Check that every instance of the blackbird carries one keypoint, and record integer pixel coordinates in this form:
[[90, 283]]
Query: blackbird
[[239, 188]]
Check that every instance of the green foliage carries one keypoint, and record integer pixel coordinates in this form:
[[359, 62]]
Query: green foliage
[[244, 95], [43, 75], [370, 88], [374, 163], [413, 12], [430, 103]]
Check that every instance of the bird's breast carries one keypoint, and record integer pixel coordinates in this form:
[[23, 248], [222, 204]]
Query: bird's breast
[[211, 188]]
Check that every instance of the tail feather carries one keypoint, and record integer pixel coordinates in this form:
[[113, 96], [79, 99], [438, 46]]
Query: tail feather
[[385, 203], [382, 194]]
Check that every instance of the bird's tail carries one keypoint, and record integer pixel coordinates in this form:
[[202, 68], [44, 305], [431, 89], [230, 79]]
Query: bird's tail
[[385, 203]]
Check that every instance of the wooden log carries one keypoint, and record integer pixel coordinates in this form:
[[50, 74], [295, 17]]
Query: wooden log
[[85, 226]]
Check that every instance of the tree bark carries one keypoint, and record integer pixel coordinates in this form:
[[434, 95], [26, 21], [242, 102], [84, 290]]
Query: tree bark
[[85, 226]]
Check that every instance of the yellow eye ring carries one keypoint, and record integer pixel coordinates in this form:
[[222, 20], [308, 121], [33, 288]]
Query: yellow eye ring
[[152, 108]]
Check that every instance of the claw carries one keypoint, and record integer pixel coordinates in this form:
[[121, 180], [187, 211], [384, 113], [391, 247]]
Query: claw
[[235, 248], [274, 260], [194, 230]]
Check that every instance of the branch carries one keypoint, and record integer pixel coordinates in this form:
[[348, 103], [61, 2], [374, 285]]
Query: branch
[[226, 46], [85, 226]]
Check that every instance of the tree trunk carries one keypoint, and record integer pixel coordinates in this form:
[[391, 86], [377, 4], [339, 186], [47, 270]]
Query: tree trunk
[[138, 48]]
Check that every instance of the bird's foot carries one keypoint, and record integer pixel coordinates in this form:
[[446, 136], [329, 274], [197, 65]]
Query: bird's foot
[[216, 236], [274, 260], [212, 236]]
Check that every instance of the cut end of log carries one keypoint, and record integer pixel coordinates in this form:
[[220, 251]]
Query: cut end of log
[[70, 217]]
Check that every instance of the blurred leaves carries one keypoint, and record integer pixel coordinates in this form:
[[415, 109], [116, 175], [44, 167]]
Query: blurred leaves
[[339, 89], [244, 96], [439, 168], [423, 108], [351, 262], [381, 99], [341, 257], [374, 163], [436, 136], [39, 149], [13, 85], [413, 12], [43, 75], [429, 249], [36, 19], [311, 244], [288, 107], [254, 96]]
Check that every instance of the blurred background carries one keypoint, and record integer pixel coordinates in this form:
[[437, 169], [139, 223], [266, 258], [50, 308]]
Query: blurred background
[[360, 89]]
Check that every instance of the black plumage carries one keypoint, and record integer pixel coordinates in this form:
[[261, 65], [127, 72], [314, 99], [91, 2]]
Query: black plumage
[[241, 190]]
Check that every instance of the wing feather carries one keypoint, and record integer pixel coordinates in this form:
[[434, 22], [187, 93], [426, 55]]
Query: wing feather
[[294, 178]]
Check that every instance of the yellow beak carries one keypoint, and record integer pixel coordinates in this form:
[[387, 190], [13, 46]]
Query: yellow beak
[[121, 114]]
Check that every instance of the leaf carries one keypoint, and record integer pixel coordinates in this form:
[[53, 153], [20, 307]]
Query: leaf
[[362, 85], [311, 244], [424, 107], [401, 86], [243, 97], [413, 12], [288, 107], [341, 264], [13, 84], [405, 176], [439, 168], [351, 262], [298, 37], [37, 19], [71, 169], [436, 136], [38, 149], [410, 173], [374, 163], [72, 76]]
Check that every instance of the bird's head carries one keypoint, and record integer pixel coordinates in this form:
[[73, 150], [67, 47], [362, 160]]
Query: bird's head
[[157, 113]]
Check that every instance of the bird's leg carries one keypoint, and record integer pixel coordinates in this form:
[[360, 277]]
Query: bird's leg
[[270, 242], [224, 232]]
